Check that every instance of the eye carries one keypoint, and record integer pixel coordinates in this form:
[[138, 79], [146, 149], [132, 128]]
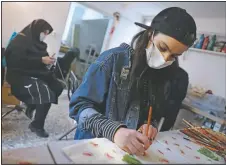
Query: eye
[[162, 49]]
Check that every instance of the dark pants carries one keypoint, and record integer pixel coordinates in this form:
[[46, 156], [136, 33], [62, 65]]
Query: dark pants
[[40, 115]]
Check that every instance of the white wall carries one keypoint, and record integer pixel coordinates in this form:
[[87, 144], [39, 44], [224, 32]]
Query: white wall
[[206, 70], [216, 25], [17, 15], [126, 28], [123, 33]]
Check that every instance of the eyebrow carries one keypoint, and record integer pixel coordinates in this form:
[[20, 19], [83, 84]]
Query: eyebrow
[[164, 44]]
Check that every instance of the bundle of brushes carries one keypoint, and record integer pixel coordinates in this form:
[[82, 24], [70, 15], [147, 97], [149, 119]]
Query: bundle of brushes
[[214, 141]]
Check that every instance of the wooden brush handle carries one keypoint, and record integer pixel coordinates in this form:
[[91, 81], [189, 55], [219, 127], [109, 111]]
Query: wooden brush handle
[[149, 120]]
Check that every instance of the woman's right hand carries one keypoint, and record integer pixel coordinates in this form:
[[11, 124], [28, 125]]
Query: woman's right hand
[[131, 141], [48, 60]]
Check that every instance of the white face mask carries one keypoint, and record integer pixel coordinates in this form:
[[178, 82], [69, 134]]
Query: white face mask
[[42, 36], [155, 59]]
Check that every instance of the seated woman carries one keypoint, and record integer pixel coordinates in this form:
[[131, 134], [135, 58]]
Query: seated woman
[[119, 87], [27, 73]]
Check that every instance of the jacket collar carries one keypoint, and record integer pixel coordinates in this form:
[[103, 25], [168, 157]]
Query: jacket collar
[[128, 47]]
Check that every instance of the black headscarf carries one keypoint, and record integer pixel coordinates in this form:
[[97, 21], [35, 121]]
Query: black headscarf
[[33, 30], [24, 52]]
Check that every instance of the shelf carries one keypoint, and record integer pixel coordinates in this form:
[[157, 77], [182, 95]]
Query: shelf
[[207, 51], [211, 34]]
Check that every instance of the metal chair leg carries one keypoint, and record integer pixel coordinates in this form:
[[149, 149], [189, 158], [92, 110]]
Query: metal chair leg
[[18, 108], [67, 133], [7, 113]]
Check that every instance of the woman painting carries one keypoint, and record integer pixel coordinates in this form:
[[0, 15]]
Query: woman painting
[[119, 87], [27, 73]]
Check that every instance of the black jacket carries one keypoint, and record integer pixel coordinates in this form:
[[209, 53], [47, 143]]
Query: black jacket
[[165, 95], [24, 53]]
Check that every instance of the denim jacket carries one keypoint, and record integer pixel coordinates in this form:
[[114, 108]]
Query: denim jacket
[[105, 88]]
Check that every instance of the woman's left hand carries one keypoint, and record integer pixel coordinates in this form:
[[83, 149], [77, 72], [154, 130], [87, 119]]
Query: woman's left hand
[[152, 132]]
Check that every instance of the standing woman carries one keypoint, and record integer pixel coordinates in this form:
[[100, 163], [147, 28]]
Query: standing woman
[[119, 87], [27, 73]]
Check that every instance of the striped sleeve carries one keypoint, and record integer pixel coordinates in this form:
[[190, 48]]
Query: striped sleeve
[[101, 126]]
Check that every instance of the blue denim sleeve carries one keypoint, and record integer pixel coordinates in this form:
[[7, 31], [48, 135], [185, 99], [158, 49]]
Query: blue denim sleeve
[[87, 105], [92, 91]]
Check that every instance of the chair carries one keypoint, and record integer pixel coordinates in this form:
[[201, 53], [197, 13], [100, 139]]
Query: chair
[[67, 133], [92, 55], [9, 99]]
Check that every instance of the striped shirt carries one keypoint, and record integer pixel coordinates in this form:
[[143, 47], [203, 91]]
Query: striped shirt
[[101, 126]]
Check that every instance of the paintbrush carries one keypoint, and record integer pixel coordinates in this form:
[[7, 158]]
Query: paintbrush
[[197, 136], [187, 123], [196, 132], [149, 120], [202, 140], [204, 137]]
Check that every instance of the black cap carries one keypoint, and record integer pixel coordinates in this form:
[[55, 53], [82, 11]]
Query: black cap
[[174, 22]]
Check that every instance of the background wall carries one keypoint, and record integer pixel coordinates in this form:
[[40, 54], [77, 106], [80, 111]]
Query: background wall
[[206, 70], [216, 25], [17, 15], [126, 28]]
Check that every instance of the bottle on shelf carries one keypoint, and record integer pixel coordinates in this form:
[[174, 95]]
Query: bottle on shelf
[[212, 42], [200, 42], [205, 42]]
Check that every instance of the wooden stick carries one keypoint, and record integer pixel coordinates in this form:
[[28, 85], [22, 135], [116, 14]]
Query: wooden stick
[[186, 122], [149, 120]]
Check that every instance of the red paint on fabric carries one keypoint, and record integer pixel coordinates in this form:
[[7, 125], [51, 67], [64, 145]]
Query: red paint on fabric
[[176, 144], [163, 160], [87, 153], [109, 156], [94, 144], [182, 152], [197, 157], [188, 147], [160, 152]]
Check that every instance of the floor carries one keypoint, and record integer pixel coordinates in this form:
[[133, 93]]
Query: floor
[[15, 132]]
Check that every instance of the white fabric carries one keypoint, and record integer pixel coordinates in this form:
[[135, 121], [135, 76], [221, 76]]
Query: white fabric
[[158, 153], [98, 149]]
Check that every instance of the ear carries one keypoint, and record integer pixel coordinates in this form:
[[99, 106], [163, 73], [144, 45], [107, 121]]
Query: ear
[[149, 43], [149, 35]]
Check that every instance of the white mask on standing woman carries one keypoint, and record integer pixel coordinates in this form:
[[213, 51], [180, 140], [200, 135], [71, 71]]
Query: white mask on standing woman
[[155, 59]]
